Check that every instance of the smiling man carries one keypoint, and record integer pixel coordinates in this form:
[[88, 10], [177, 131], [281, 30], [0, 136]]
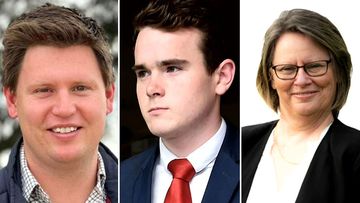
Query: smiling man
[[182, 71], [58, 81]]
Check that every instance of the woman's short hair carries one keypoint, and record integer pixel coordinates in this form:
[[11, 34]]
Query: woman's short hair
[[321, 31]]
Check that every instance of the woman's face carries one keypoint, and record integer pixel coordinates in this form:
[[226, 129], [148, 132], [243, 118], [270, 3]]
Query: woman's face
[[304, 95]]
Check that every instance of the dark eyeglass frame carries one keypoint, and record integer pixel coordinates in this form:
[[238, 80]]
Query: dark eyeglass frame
[[305, 69]]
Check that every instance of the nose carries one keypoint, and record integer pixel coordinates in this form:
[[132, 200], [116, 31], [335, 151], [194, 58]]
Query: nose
[[64, 106], [302, 78], [155, 86]]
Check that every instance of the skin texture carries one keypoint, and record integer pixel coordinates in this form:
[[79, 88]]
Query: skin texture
[[61, 89], [305, 95], [178, 98]]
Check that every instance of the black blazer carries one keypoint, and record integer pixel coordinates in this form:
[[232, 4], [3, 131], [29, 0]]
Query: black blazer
[[223, 186], [333, 174]]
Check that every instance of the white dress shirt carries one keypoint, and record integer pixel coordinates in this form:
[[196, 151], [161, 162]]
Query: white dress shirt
[[202, 159], [264, 186]]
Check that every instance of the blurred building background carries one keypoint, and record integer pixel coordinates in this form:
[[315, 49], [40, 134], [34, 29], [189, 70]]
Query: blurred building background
[[135, 136], [105, 12]]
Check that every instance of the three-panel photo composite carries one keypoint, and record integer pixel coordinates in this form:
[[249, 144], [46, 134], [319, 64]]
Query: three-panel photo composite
[[179, 101]]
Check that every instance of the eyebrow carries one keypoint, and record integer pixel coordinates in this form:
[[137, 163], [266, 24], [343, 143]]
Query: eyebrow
[[163, 63]]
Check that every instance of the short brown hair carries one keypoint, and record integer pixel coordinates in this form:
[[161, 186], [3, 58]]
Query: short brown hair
[[56, 26], [172, 15], [323, 32]]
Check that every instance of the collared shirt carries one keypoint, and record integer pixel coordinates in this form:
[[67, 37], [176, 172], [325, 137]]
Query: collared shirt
[[202, 159], [33, 192], [264, 186]]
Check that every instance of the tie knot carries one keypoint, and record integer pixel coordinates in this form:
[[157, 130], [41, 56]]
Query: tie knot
[[181, 169]]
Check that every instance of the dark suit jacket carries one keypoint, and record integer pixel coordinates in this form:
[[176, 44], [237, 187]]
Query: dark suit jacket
[[223, 186], [333, 174]]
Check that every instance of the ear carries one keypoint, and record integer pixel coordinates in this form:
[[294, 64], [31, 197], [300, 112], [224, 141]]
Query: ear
[[110, 93], [224, 76], [10, 102]]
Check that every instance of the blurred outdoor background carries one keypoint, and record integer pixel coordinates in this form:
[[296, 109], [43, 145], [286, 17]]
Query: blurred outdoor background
[[105, 12], [135, 136]]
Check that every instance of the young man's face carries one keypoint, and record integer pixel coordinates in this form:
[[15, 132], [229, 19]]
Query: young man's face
[[61, 103], [176, 94]]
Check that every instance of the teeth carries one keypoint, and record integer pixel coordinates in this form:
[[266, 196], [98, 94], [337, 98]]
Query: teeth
[[64, 130]]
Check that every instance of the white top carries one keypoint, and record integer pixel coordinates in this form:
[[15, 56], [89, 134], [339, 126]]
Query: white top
[[202, 159], [264, 186]]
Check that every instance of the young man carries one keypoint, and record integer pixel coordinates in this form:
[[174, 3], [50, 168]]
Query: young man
[[58, 81], [182, 72]]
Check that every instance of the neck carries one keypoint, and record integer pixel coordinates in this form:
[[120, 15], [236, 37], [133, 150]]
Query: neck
[[185, 142], [305, 124], [66, 182]]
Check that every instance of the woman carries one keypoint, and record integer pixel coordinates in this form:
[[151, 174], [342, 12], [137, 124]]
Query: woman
[[308, 155]]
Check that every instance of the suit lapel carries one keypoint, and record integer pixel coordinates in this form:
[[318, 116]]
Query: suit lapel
[[254, 140], [143, 182], [224, 178], [319, 175]]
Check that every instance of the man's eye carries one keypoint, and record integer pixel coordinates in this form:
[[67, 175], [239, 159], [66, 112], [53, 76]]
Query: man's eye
[[171, 69], [80, 88], [141, 73], [43, 90]]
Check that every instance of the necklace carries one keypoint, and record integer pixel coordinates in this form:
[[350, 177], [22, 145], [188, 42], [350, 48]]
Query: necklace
[[296, 151], [283, 156]]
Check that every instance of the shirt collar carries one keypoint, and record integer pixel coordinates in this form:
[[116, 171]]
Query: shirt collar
[[98, 193], [202, 157], [29, 183], [31, 187]]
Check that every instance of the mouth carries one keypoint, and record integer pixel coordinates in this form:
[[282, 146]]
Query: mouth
[[304, 93], [64, 130], [156, 110]]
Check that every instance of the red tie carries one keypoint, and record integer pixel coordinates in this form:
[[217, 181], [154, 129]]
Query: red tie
[[179, 191]]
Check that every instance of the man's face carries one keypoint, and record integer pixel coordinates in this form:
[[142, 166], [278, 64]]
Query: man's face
[[176, 94], [61, 103]]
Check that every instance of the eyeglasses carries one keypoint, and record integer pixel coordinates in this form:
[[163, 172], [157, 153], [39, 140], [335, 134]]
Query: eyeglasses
[[313, 69]]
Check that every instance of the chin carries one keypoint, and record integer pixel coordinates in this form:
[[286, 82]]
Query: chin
[[68, 155], [307, 111], [158, 127]]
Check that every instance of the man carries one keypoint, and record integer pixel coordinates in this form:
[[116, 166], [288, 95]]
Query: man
[[58, 81], [182, 71]]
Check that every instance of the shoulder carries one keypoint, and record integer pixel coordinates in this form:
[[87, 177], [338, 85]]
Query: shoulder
[[344, 137], [9, 173], [231, 143], [3, 181], [110, 160], [250, 135], [338, 126], [138, 161], [232, 131], [341, 145], [258, 128], [144, 162], [107, 154], [5, 184], [111, 170], [136, 172]]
